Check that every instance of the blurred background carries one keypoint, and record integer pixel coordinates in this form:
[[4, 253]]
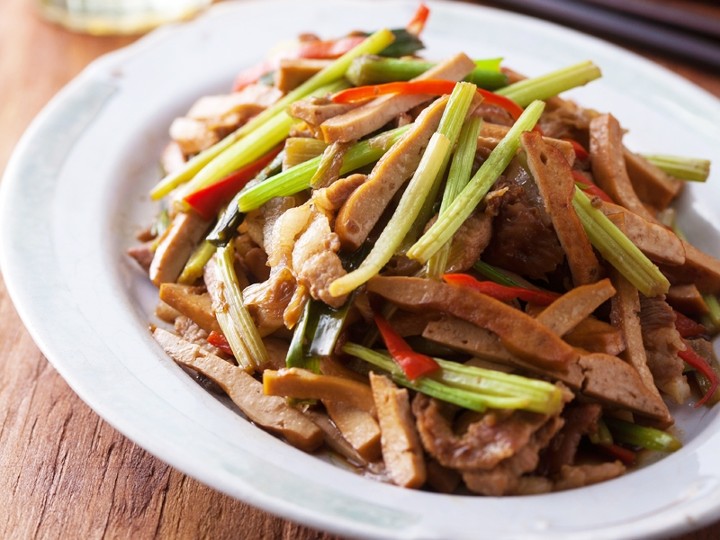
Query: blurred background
[[65, 471]]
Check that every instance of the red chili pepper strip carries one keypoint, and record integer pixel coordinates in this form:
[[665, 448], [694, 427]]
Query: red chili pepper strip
[[688, 328], [503, 293], [580, 152], [252, 74], [417, 23], [696, 361], [618, 452], [217, 339], [412, 363], [432, 87], [208, 201], [327, 49], [589, 187]]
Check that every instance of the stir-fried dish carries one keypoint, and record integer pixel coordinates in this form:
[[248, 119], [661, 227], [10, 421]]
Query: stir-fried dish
[[437, 269]]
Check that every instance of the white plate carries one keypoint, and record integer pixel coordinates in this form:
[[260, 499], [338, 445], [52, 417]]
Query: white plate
[[75, 193]]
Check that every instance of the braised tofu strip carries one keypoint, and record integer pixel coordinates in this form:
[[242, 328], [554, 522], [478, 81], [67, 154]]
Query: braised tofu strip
[[469, 286]]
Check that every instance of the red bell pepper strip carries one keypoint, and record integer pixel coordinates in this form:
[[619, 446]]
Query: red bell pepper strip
[[687, 328], [412, 363], [580, 152], [209, 200], [218, 339], [417, 23], [329, 49], [432, 87], [587, 185], [693, 359], [619, 452], [252, 74], [503, 293]]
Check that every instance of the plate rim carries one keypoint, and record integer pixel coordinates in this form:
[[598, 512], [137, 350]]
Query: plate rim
[[14, 285]]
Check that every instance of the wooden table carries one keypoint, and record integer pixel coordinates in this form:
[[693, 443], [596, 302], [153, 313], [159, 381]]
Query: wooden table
[[65, 472]]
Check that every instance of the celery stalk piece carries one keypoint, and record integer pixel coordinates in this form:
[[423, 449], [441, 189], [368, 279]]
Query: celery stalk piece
[[450, 126], [461, 208], [330, 74], [618, 250], [298, 177], [193, 269], [602, 436], [713, 309], [297, 355], [683, 168], [301, 149], [458, 177], [402, 219], [468, 390], [234, 318], [243, 152], [248, 149], [646, 437], [551, 84], [226, 227], [542, 396], [373, 69]]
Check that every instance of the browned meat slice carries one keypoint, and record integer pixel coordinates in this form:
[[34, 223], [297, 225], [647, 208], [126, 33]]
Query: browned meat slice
[[317, 110], [574, 306], [304, 384], [576, 476], [172, 158], [469, 242], [566, 121], [652, 185], [624, 315], [596, 336], [358, 427], [176, 246], [467, 337], [700, 268], [491, 134], [371, 116], [270, 412], [519, 333], [334, 439], [523, 240], [143, 255], [659, 243], [487, 440], [213, 117], [580, 419], [292, 72], [366, 204], [192, 136], [442, 479], [555, 181], [315, 261], [608, 164], [267, 301], [401, 449], [687, 299], [616, 383], [663, 342], [193, 302], [334, 196], [504, 479]]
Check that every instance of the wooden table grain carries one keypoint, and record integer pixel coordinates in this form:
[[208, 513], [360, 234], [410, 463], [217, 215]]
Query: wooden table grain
[[65, 473]]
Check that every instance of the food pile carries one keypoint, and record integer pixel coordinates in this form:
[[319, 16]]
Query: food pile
[[437, 269]]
